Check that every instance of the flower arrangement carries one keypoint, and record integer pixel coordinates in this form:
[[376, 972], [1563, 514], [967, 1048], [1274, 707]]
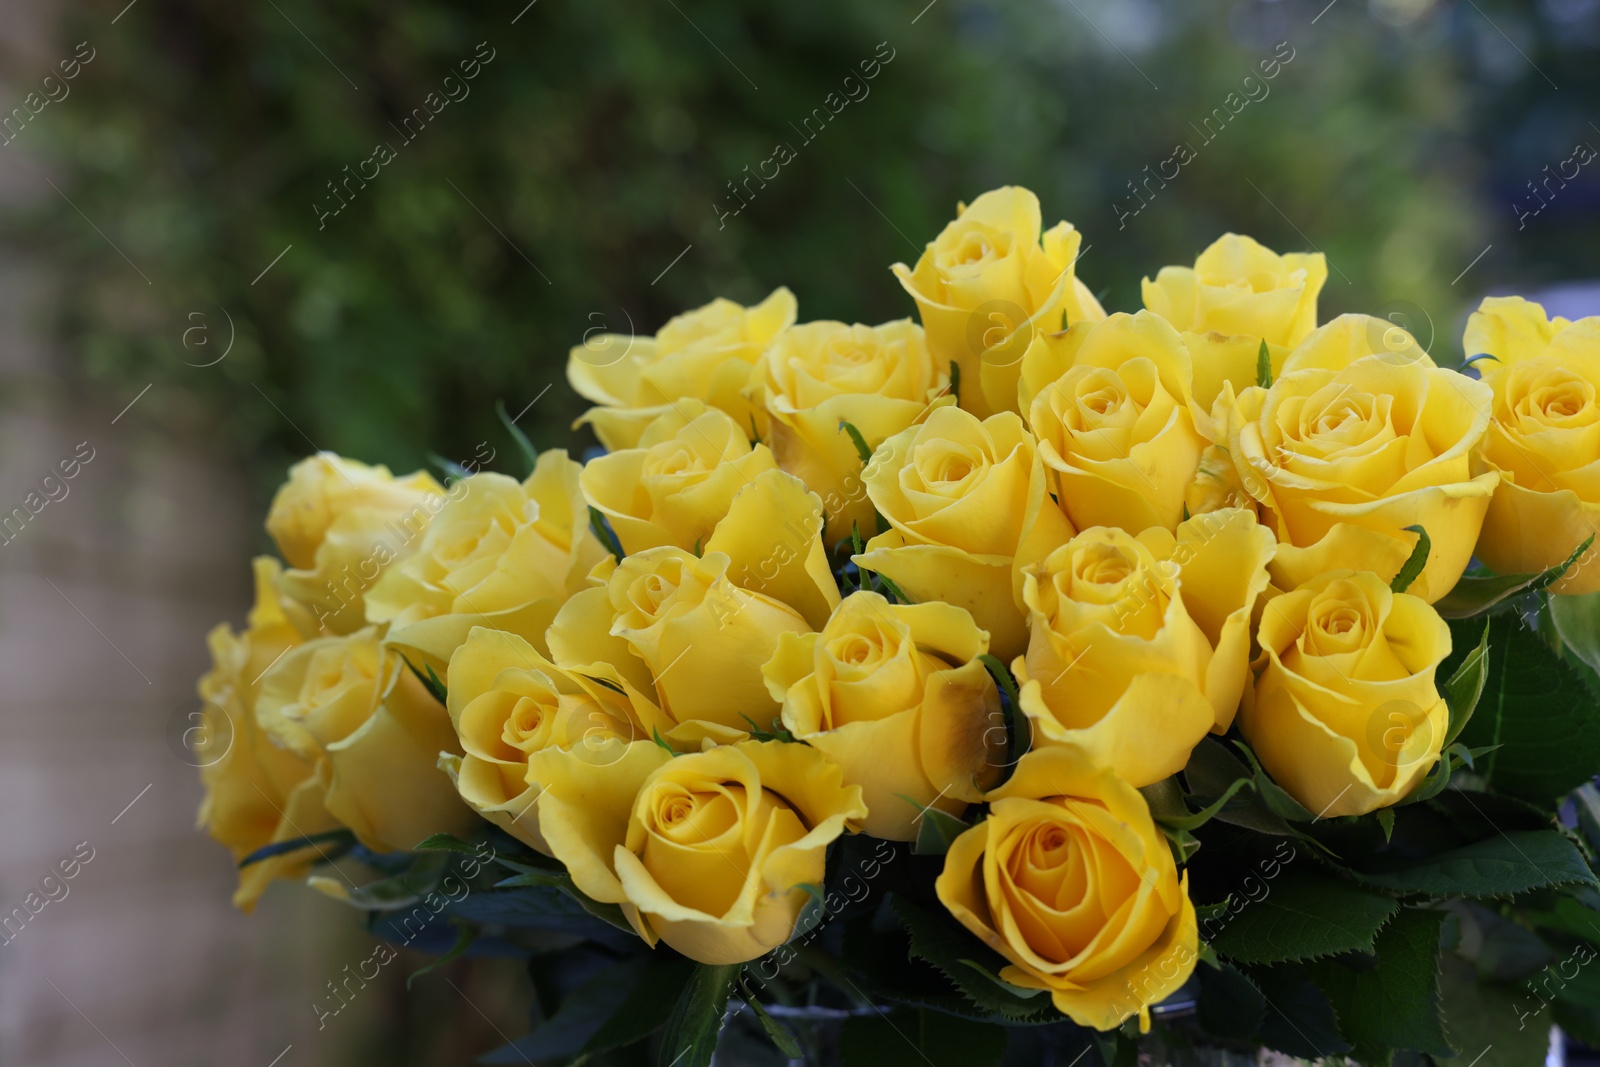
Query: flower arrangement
[[1027, 678]]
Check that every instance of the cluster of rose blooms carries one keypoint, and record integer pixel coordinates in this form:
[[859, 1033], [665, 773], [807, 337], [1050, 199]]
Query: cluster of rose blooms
[[661, 668]]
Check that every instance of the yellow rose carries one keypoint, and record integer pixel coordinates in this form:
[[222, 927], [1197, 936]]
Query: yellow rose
[[821, 375], [501, 553], [894, 695], [506, 702], [678, 484], [325, 486], [769, 547], [708, 851], [1544, 438], [988, 283], [1336, 345], [967, 501], [339, 523], [349, 706], [256, 793], [1110, 405], [1344, 712], [1070, 880], [1141, 645], [1238, 294], [1346, 459], [703, 638], [705, 354]]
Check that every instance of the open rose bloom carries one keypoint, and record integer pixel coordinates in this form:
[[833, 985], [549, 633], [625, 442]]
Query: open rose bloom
[[1205, 673]]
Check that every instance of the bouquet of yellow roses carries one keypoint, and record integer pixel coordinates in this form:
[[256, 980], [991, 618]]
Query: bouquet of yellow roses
[[1020, 683]]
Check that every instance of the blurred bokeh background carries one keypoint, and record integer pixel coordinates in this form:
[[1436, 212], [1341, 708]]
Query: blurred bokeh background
[[183, 288]]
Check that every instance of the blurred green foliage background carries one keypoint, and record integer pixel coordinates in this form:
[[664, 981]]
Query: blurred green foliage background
[[596, 142]]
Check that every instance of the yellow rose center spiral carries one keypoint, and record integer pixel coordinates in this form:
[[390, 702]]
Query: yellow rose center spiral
[[675, 457], [1065, 882], [1102, 565], [692, 817], [976, 246], [524, 728], [462, 542], [852, 350], [947, 467], [650, 591], [331, 671], [1339, 621], [1557, 402], [854, 650], [1333, 421]]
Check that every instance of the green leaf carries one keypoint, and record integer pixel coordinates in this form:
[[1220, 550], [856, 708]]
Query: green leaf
[[816, 907], [525, 446], [557, 880], [606, 684], [464, 939], [1298, 1021], [888, 586], [655, 735], [1386, 820], [430, 681], [1432, 784], [1213, 768], [448, 467], [576, 1020], [341, 838], [952, 950], [1474, 596], [605, 534], [781, 1038], [1577, 621], [1502, 950], [691, 1035], [1014, 990], [1570, 916], [1303, 916], [1017, 733], [1211, 771], [1464, 688], [777, 733], [446, 843], [1536, 707], [1577, 1008], [1499, 866], [1277, 799], [1488, 1021], [646, 1008], [1002, 676], [1414, 562], [856, 439], [936, 830], [955, 380], [1391, 1001], [403, 889], [1264, 366], [1118, 1048], [1229, 1005], [1210, 811], [1165, 799]]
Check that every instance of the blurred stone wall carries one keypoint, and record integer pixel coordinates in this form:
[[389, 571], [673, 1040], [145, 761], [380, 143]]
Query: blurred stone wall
[[105, 597]]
